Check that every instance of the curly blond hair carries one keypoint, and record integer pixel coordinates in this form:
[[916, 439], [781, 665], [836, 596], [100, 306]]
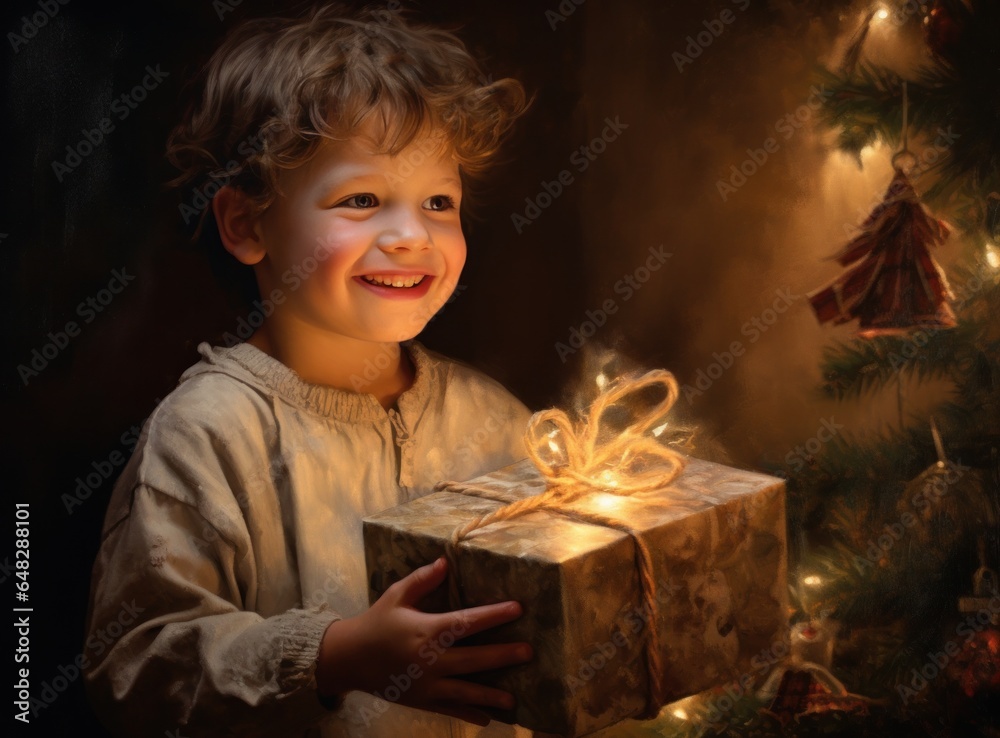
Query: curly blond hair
[[277, 87]]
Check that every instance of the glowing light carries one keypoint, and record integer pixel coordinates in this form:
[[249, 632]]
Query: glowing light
[[658, 430], [607, 502], [609, 478], [992, 256], [812, 581], [553, 446], [867, 152], [601, 380], [882, 14], [680, 709]]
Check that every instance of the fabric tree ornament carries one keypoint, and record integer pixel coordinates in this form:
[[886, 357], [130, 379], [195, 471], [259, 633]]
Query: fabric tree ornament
[[894, 285]]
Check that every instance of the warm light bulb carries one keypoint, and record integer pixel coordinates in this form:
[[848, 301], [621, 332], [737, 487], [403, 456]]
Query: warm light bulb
[[601, 380], [607, 502], [993, 256], [812, 580], [882, 14], [679, 709]]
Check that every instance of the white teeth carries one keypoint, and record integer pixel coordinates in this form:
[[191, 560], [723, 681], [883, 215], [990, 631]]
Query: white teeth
[[388, 280]]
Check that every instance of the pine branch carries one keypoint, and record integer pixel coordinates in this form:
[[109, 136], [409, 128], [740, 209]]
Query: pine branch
[[954, 105], [861, 367]]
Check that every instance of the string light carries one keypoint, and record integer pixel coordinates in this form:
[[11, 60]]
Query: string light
[[992, 256], [609, 478], [882, 13], [812, 581]]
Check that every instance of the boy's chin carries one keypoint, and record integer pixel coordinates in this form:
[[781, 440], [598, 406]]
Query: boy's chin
[[397, 336]]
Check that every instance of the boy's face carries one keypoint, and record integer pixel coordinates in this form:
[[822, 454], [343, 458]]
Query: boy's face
[[365, 245]]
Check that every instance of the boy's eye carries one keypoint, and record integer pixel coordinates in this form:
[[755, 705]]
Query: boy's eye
[[363, 201], [439, 203]]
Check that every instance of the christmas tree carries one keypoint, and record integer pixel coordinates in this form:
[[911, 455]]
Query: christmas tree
[[896, 526]]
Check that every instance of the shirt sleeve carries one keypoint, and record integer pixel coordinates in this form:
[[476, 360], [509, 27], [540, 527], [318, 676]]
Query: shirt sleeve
[[170, 649]]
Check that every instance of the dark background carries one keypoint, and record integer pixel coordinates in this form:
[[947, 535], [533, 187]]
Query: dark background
[[656, 184]]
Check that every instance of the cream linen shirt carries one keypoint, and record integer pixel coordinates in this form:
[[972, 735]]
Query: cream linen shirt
[[233, 539]]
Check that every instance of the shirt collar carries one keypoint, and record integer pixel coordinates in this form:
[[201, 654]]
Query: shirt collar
[[256, 367]]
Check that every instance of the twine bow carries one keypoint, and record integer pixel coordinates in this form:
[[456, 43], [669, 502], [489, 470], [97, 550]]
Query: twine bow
[[579, 459]]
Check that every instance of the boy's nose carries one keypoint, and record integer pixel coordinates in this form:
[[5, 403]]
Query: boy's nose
[[406, 231]]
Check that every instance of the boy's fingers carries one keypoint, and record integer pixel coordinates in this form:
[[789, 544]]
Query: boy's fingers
[[470, 659], [421, 582], [463, 623], [460, 693]]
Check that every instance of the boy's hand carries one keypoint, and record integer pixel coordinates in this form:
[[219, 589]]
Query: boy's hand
[[395, 639]]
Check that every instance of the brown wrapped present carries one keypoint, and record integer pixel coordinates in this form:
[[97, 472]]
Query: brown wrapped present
[[644, 576]]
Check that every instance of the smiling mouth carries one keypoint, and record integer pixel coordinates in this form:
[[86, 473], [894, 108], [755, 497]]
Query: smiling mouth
[[394, 280]]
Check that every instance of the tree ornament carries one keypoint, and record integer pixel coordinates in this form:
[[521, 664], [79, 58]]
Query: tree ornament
[[944, 28], [802, 684], [894, 285], [975, 671], [946, 500]]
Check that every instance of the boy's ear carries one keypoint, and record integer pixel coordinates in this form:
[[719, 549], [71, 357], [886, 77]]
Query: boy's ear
[[237, 223]]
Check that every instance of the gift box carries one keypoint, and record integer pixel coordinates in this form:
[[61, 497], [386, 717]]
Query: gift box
[[642, 580]]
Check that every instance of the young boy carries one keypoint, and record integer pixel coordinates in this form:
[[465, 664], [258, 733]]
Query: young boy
[[229, 593]]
